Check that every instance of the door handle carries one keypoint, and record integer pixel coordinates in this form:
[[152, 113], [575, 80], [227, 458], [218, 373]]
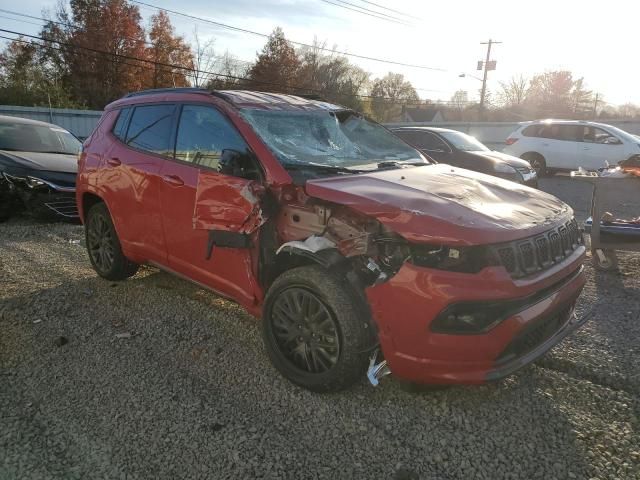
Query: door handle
[[174, 180], [114, 162]]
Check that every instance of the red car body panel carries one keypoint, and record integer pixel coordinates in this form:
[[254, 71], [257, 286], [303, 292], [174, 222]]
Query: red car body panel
[[164, 211], [404, 307]]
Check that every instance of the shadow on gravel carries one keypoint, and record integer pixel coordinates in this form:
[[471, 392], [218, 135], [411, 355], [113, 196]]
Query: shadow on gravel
[[191, 393]]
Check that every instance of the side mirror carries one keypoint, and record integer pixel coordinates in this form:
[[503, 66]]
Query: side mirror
[[611, 141], [239, 164]]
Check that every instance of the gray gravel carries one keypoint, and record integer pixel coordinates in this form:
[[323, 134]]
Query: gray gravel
[[156, 378]]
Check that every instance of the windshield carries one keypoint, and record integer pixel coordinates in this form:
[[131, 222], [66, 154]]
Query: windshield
[[625, 135], [333, 139], [24, 137], [464, 142]]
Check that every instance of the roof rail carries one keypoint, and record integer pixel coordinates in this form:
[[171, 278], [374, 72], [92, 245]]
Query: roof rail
[[169, 90]]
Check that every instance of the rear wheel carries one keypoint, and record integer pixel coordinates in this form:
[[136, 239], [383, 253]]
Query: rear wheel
[[103, 246], [314, 333], [537, 162]]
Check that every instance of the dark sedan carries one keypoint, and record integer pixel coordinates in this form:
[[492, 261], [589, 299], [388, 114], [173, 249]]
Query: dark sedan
[[462, 150], [38, 165]]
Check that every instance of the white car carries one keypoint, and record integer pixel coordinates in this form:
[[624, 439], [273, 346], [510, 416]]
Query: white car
[[555, 145]]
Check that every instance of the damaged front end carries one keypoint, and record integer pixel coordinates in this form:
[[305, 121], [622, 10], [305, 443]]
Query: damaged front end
[[44, 196]]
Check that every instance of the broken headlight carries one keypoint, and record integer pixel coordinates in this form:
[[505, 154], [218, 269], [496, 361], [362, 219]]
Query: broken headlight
[[30, 182], [453, 259]]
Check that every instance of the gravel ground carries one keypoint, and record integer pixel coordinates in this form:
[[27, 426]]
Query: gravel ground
[[156, 378]]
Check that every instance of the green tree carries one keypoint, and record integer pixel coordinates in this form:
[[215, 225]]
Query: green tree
[[277, 66], [389, 94], [167, 48], [26, 80]]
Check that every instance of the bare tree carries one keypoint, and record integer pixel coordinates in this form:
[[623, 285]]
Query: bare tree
[[204, 60], [514, 92]]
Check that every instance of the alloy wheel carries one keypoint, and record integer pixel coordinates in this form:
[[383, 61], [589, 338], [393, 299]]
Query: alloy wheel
[[305, 330], [100, 242]]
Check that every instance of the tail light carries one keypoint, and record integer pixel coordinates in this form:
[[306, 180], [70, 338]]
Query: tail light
[[510, 140]]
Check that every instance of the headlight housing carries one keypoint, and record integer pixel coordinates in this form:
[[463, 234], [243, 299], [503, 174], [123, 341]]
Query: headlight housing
[[504, 168], [453, 259], [31, 182]]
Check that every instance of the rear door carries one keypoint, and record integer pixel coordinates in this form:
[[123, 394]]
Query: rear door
[[209, 217], [559, 145], [130, 177]]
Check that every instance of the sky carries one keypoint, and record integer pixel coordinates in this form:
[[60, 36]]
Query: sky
[[594, 40]]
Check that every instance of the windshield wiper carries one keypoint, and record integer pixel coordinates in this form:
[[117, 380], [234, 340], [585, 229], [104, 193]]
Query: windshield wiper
[[397, 163], [320, 167]]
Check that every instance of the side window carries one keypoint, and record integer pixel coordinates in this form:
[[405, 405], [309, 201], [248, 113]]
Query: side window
[[120, 127], [598, 135], [424, 141], [429, 141], [571, 133], [150, 128], [532, 131], [203, 134]]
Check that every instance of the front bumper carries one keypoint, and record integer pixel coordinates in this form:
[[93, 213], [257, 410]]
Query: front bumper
[[404, 307], [44, 201]]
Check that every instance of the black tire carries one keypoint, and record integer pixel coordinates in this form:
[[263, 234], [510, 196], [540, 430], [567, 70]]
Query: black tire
[[537, 162], [609, 264], [103, 246], [310, 310]]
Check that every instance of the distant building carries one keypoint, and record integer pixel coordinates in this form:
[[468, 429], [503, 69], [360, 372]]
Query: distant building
[[428, 113]]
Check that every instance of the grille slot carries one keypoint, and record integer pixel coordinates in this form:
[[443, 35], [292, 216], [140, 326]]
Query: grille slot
[[535, 254], [65, 208], [508, 259]]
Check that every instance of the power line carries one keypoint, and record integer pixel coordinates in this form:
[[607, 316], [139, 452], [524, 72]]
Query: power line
[[387, 8], [264, 35], [365, 11], [189, 71], [70, 25]]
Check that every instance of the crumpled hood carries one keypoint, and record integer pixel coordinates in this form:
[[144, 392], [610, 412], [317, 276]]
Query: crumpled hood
[[444, 204], [51, 162]]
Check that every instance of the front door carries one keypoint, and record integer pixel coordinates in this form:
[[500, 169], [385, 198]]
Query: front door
[[207, 214], [599, 147]]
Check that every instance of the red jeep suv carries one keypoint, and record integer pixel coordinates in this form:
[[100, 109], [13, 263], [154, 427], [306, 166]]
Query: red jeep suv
[[359, 255]]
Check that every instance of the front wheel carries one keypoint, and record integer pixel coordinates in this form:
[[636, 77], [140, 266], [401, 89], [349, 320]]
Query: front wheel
[[537, 162], [313, 330], [103, 246]]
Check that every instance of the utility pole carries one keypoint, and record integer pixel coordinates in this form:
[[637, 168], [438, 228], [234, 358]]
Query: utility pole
[[484, 78]]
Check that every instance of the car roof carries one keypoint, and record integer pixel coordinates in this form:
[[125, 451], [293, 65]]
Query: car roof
[[429, 129], [241, 99], [24, 121], [553, 121]]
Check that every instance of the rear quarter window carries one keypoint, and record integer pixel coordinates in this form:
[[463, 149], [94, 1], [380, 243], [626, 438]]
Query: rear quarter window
[[120, 127], [532, 131]]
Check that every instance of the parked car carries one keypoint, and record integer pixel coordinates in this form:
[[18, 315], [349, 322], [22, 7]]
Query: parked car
[[461, 150], [334, 231], [38, 164], [564, 145]]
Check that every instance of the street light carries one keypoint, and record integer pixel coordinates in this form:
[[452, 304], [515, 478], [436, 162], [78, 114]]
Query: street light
[[463, 75]]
